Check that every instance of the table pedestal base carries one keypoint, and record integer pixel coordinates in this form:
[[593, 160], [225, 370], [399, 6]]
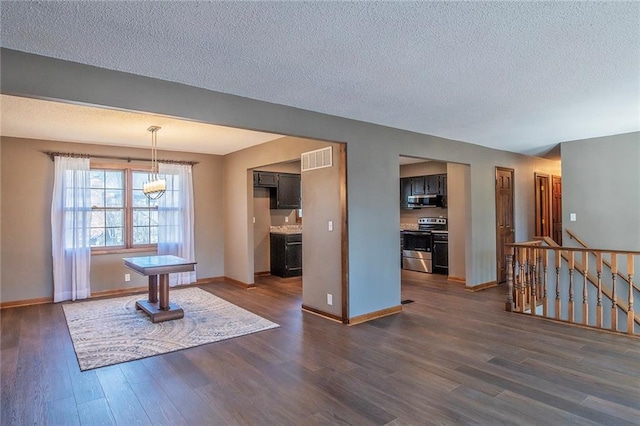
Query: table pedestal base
[[158, 315]]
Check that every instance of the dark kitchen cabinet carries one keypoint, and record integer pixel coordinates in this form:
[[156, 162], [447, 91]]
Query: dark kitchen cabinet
[[287, 193], [405, 191], [286, 255], [432, 184], [265, 179], [284, 188], [443, 185], [418, 185], [423, 185]]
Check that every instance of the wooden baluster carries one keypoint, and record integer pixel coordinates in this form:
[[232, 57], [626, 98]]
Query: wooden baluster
[[572, 263], [509, 266], [599, 304], [614, 294], [545, 282], [630, 313], [522, 278], [585, 295], [534, 287], [558, 265]]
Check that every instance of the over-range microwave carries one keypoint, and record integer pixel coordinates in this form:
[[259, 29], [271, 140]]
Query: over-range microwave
[[420, 201]]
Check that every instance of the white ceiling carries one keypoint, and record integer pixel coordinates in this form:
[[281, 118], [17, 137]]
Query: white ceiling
[[75, 123], [518, 76]]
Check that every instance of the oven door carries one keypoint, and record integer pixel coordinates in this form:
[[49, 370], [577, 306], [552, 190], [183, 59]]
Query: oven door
[[416, 241], [416, 251]]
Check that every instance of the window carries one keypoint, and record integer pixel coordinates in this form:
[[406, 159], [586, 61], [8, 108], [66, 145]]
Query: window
[[122, 217]]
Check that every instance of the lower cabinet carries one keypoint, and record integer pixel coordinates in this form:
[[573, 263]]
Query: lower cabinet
[[286, 254]]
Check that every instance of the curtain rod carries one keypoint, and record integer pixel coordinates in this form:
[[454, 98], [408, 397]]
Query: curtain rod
[[53, 154]]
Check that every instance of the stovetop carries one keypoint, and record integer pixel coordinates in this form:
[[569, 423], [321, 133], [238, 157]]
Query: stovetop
[[433, 224]]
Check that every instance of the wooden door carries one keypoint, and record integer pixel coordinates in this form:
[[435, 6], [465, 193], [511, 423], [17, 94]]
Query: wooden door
[[543, 196], [505, 232], [556, 209]]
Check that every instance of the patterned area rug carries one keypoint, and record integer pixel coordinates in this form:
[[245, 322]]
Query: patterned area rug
[[110, 331]]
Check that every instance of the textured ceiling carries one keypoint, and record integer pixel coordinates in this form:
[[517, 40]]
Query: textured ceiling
[[519, 76]]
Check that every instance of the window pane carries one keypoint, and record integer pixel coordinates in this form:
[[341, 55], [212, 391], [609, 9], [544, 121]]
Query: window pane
[[139, 199], [97, 219], [97, 178], [97, 198], [141, 235], [114, 237], [140, 217], [114, 179], [153, 217], [97, 237], [115, 218], [114, 198], [139, 179]]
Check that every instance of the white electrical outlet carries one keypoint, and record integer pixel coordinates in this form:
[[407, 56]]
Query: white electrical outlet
[[254, 219], [286, 219], [330, 225], [329, 299], [127, 277], [572, 217]]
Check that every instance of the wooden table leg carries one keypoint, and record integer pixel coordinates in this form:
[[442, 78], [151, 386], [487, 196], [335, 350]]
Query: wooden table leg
[[164, 292], [153, 288]]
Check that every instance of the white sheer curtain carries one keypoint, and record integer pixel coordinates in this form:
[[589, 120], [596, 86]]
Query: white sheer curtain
[[70, 223], [175, 218]]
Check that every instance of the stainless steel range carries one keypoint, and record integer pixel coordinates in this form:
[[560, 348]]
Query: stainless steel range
[[423, 250]]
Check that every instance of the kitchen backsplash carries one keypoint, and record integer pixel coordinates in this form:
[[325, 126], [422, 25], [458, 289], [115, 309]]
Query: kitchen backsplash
[[411, 216], [278, 217]]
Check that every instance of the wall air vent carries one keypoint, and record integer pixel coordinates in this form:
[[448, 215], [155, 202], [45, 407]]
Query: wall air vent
[[317, 159]]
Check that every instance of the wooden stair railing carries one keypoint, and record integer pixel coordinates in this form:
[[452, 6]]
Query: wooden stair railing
[[528, 282], [602, 290], [573, 236]]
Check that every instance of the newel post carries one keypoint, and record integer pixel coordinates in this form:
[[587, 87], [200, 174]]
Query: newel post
[[509, 266]]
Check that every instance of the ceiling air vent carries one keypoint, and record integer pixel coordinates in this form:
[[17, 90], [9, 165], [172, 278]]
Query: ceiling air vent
[[317, 159]]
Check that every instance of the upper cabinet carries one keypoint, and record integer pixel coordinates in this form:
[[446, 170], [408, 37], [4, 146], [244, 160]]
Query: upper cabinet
[[418, 185], [423, 185], [265, 179], [288, 193], [284, 188], [432, 184]]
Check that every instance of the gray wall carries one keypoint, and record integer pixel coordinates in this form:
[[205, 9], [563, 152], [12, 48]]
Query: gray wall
[[458, 194], [372, 167], [27, 182], [321, 248], [601, 185]]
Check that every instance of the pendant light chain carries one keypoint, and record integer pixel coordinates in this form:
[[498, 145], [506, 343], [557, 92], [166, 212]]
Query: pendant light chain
[[156, 187]]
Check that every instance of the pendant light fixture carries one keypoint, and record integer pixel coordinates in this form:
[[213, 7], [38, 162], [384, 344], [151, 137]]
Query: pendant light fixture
[[156, 187]]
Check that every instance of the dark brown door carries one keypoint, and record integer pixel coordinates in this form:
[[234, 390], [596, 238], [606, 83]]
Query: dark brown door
[[543, 221], [505, 232], [556, 209]]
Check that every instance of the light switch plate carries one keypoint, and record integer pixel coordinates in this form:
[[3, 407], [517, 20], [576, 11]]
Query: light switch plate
[[572, 217]]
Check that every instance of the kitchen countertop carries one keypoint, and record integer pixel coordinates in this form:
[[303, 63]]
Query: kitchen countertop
[[287, 229], [408, 226]]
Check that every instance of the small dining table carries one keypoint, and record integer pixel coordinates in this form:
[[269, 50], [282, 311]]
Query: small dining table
[[158, 268]]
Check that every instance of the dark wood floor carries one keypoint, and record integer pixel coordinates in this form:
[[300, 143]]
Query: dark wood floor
[[451, 357]]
